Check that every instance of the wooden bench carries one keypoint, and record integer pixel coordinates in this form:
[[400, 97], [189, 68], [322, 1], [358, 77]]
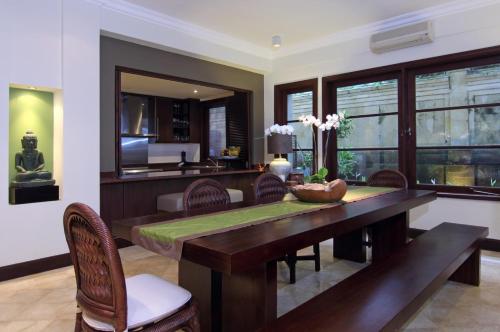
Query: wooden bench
[[384, 295]]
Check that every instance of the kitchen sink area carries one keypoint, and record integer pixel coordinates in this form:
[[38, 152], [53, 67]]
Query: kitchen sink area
[[144, 170]]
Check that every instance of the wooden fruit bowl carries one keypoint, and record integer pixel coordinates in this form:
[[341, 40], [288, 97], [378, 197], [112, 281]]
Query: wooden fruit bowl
[[334, 192]]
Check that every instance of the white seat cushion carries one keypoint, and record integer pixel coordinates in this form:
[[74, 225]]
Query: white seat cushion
[[235, 195], [170, 202], [173, 202], [149, 299]]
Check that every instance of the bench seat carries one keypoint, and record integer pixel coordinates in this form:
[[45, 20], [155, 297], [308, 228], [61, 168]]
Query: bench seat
[[384, 295]]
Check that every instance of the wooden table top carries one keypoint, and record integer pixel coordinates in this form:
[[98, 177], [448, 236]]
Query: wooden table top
[[237, 250]]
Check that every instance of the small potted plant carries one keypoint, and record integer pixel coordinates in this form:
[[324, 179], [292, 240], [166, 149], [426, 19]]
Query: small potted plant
[[317, 189]]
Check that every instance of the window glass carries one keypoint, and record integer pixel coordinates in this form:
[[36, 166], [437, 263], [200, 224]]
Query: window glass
[[301, 104], [459, 167], [359, 165], [217, 130], [298, 104], [472, 126], [368, 98], [302, 160], [460, 87], [443, 135], [372, 132], [366, 106]]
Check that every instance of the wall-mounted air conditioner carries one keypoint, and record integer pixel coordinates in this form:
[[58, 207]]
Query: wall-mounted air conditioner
[[403, 37]]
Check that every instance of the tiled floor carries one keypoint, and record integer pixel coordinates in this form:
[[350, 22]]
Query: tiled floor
[[45, 302]]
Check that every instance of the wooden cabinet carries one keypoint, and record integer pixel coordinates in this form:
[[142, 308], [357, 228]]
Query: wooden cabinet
[[179, 121], [138, 198], [164, 119], [195, 121]]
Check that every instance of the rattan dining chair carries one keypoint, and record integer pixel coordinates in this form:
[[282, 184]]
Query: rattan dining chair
[[205, 194], [108, 301], [388, 178], [270, 188]]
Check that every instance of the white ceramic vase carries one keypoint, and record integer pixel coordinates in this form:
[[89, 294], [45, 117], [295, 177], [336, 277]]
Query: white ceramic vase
[[280, 167]]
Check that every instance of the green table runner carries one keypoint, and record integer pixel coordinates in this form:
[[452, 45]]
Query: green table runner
[[166, 238]]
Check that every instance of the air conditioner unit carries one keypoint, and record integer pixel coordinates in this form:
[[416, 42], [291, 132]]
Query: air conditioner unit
[[403, 37]]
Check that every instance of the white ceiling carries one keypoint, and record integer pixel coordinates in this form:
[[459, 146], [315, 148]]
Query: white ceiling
[[297, 21], [166, 88]]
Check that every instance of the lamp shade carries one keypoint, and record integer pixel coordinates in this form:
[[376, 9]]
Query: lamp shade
[[279, 144]]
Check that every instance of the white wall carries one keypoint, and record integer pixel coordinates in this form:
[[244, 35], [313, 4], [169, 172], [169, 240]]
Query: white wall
[[53, 44], [454, 33]]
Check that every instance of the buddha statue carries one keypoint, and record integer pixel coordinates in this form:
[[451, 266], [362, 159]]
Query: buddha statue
[[30, 163]]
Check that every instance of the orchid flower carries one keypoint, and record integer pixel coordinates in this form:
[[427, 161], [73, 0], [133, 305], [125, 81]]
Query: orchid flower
[[277, 129]]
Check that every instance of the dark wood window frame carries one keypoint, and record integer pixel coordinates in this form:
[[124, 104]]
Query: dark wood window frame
[[407, 72], [281, 92], [331, 162]]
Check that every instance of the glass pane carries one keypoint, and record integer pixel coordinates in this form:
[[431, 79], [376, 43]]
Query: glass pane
[[300, 103], [474, 126], [301, 161], [217, 130], [460, 87], [303, 138], [372, 132], [464, 167], [368, 98], [359, 165]]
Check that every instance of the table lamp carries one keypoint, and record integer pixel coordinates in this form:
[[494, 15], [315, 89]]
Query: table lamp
[[280, 144]]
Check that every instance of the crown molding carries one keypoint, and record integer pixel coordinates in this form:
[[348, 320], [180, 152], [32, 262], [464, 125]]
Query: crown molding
[[222, 39], [429, 13], [193, 30]]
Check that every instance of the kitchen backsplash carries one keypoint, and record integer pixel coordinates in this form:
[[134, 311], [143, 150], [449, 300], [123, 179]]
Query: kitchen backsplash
[[161, 153]]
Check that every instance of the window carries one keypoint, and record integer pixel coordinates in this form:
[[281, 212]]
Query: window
[[436, 120], [372, 142], [292, 101], [458, 127], [217, 130]]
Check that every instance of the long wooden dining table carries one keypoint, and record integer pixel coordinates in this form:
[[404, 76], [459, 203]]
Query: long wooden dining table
[[233, 274]]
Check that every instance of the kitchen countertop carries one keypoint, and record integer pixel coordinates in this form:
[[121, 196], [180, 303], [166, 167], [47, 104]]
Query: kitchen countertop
[[110, 178]]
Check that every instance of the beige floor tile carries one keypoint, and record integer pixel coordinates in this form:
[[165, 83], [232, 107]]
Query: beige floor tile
[[45, 302]]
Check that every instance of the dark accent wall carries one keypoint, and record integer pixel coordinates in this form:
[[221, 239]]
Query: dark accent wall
[[120, 53]]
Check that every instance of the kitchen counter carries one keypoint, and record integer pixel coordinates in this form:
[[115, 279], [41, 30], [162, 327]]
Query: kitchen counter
[[110, 178]]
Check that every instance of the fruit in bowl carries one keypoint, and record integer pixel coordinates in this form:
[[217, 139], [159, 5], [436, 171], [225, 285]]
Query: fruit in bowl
[[320, 193]]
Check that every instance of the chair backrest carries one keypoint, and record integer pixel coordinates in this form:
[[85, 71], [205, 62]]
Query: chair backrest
[[388, 178], [269, 188], [100, 282], [205, 193]]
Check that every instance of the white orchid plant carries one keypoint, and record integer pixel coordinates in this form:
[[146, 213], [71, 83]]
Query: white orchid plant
[[277, 129], [333, 121]]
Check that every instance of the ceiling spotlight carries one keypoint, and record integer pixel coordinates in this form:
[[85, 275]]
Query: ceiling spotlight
[[195, 91], [276, 41]]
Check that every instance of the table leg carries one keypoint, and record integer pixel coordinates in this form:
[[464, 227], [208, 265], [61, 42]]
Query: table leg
[[350, 246], [239, 302], [389, 235]]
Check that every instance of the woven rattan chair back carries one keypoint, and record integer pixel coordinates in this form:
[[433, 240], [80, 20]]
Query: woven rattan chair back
[[205, 194], [269, 188], [101, 292], [388, 178]]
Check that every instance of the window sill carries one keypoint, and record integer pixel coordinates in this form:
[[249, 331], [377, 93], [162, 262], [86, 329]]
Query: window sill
[[469, 196]]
